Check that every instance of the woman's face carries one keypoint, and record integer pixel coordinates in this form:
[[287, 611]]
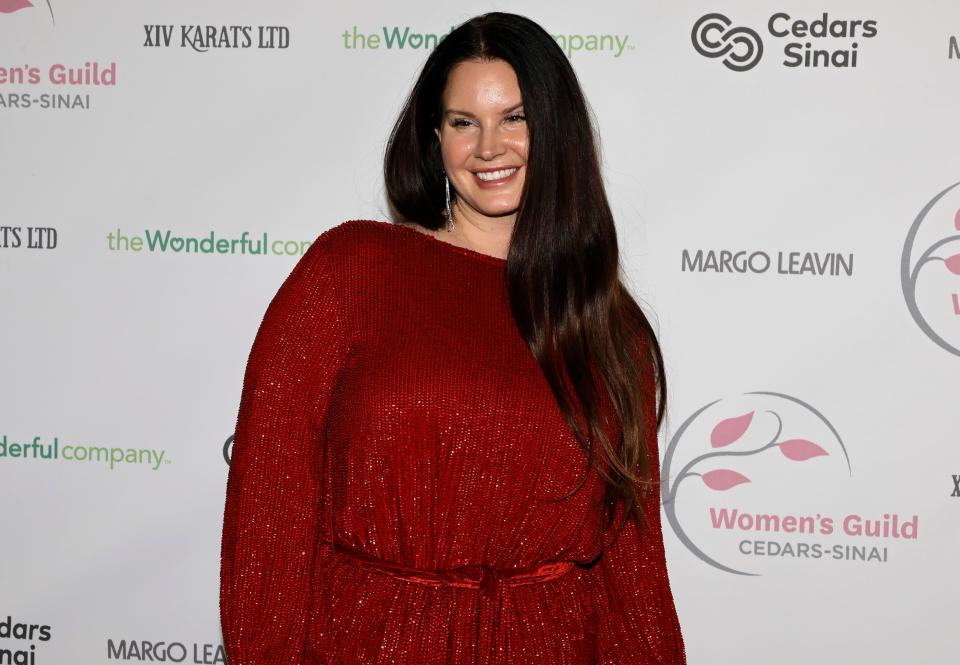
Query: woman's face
[[483, 138]]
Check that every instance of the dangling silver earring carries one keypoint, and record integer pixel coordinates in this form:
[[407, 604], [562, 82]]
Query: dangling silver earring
[[446, 181]]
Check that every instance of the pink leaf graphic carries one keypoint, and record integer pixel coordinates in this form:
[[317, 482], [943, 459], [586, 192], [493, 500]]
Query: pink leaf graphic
[[953, 264], [723, 479], [956, 221], [727, 431], [800, 450], [10, 6]]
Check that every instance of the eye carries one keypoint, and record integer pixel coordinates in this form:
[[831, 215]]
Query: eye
[[516, 117], [459, 122]]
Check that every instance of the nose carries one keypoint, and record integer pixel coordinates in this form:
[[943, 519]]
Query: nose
[[489, 144]]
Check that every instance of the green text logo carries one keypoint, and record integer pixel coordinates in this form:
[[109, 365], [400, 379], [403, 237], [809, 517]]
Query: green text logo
[[156, 240], [395, 38], [53, 451]]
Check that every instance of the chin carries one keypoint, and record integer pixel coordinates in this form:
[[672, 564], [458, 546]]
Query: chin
[[499, 210]]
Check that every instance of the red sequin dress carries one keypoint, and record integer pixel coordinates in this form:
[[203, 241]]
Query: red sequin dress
[[388, 499]]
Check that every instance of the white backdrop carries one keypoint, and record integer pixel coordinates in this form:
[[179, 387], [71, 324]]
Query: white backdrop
[[837, 390]]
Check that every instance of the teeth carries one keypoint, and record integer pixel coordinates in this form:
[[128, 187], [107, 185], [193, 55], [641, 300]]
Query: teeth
[[497, 175]]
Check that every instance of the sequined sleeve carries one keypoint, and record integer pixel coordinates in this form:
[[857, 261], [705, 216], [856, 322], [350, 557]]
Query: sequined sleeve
[[271, 518], [641, 625]]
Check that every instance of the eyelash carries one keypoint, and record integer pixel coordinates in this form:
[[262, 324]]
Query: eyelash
[[461, 122]]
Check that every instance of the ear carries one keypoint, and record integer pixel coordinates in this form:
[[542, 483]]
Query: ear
[[436, 130]]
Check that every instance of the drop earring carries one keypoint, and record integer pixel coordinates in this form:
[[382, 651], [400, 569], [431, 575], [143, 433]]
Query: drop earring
[[446, 181]]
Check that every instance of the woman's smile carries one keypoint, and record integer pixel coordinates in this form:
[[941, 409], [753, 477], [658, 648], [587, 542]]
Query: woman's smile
[[495, 177]]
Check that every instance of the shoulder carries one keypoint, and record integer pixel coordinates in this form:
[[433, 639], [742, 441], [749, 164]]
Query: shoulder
[[339, 266], [336, 253], [356, 238], [367, 250], [362, 253]]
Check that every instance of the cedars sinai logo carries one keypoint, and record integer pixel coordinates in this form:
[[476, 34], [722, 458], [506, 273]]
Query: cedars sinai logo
[[739, 48], [11, 6], [930, 269], [823, 41], [228, 449]]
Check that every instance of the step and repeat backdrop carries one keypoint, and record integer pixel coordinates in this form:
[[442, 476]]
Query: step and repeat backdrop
[[786, 182]]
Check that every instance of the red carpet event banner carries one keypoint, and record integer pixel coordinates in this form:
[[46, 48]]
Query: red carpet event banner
[[786, 184]]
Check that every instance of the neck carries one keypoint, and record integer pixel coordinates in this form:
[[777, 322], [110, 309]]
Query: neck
[[488, 235]]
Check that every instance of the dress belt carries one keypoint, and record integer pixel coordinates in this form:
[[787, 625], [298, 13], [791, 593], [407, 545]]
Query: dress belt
[[474, 576]]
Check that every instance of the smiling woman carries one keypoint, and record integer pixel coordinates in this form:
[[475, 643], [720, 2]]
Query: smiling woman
[[483, 143], [446, 446]]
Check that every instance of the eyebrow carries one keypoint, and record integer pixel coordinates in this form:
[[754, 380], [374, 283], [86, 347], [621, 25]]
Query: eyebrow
[[470, 115]]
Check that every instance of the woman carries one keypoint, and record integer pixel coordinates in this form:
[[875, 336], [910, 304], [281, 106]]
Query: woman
[[446, 445]]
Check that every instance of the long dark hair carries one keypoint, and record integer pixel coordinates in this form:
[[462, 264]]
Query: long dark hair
[[570, 305]]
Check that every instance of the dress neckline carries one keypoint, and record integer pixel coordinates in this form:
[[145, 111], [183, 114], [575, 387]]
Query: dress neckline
[[450, 247]]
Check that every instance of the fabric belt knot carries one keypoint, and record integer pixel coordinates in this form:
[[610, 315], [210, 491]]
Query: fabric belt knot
[[482, 577], [489, 581]]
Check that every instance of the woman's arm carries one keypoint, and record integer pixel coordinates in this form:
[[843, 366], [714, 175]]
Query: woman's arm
[[271, 518], [641, 625]]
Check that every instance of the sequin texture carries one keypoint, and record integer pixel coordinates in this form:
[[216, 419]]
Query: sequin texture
[[390, 409]]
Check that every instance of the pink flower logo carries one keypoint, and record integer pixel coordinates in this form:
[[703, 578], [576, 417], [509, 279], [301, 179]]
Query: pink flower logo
[[716, 466], [800, 450], [728, 431], [953, 264], [11, 6], [723, 479]]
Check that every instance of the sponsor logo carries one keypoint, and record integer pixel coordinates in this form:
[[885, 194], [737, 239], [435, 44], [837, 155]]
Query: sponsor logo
[[822, 42], [28, 237], [956, 486], [165, 652], [930, 269], [73, 84], [742, 261], [203, 38], [24, 638], [774, 513], [953, 50], [400, 38], [52, 450], [739, 48], [228, 449], [89, 73], [164, 241], [11, 6]]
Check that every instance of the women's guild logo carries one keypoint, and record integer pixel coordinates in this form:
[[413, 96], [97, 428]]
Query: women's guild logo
[[728, 450], [931, 282]]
